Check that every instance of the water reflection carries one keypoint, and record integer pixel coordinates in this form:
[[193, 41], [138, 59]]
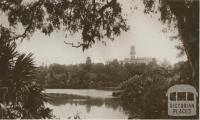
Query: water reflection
[[66, 105]]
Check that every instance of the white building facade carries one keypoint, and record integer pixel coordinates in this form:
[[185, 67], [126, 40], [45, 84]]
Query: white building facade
[[135, 60]]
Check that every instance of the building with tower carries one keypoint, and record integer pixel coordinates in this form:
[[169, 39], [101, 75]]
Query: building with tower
[[133, 59], [132, 52]]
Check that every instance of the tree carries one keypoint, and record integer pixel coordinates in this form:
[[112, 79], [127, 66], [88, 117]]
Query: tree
[[17, 73], [147, 89], [94, 19], [185, 13]]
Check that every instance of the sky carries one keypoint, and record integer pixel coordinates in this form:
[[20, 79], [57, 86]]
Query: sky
[[145, 34]]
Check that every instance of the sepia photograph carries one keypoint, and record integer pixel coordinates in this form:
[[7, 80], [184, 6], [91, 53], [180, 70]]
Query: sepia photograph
[[99, 59]]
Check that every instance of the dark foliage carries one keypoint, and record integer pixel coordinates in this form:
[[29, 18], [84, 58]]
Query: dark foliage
[[94, 19], [17, 72], [185, 15], [145, 93]]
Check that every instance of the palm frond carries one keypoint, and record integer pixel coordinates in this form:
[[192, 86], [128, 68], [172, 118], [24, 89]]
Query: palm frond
[[24, 68]]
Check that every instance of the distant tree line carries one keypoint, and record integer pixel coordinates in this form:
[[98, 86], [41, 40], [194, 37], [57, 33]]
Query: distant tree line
[[88, 74], [93, 75]]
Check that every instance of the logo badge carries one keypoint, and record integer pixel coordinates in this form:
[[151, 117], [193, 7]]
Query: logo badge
[[182, 100]]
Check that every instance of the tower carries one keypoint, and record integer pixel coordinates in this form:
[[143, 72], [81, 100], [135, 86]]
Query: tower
[[132, 52]]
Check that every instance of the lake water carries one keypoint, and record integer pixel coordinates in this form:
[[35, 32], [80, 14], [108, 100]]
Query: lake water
[[86, 103]]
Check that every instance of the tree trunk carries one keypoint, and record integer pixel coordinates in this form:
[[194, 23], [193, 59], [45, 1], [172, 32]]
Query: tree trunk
[[188, 28], [191, 46]]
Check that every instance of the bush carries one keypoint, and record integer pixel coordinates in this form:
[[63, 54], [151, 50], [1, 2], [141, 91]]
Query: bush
[[145, 93]]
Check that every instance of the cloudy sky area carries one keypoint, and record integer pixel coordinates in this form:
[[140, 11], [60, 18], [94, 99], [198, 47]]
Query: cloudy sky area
[[145, 34]]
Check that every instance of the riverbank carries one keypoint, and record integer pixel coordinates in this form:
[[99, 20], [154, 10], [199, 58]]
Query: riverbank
[[96, 88], [82, 92]]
